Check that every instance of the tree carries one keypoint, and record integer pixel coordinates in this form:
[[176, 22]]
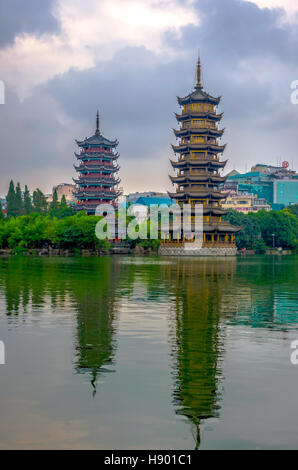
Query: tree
[[1, 212], [54, 206], [63, 203], [19, 200], [259, 246], [27, 201], [40, 204], [64, 210], [11, 200]]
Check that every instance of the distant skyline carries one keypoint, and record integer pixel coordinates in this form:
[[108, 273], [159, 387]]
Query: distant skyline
[[61, 60]]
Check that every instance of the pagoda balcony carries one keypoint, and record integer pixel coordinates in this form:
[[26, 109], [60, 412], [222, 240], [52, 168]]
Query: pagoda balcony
[[189, 130], [93, 191], [187, 147], [185, 115], [96, 194], [209, 162], [100, 170], [205, 193], [97, 180], [97, 149], [93, 155], [203, 177], [93, 168]]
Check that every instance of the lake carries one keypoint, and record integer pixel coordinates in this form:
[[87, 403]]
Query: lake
[[148, 353]]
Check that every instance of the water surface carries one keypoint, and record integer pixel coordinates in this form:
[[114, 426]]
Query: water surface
[[164, 353]]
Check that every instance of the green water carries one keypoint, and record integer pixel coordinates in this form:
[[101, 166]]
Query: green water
[[144, 353]]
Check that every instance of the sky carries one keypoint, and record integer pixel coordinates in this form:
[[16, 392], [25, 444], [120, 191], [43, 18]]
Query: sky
[[61, 60]]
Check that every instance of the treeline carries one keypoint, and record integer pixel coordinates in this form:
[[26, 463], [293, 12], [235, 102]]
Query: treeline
[[21, 203], [264, 230], [44, 230]]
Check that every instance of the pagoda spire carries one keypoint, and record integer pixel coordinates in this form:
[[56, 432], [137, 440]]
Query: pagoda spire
[[199, 84], [97, 123]]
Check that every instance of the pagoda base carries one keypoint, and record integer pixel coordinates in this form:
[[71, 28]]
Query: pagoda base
[[170, 250]]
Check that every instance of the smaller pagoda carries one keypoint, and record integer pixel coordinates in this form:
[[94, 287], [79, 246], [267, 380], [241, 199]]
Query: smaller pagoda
[[97, 182]]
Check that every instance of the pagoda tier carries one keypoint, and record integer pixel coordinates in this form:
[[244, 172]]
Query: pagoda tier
[[198, 96], [209, 163], [95, 168], [210, 116], [204, 146], [185, 195], [198, 180], [84, 156], [97, 182], [197, 177], [188, 130], [98, 195]]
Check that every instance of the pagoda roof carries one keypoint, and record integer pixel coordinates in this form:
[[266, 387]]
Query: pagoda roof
[[198, 146], [198, 96], [95, 194], [97, 155], [214, 210], [101, 167], [198, 130], [97, 180], [97, 139], [201, 194], [198, 114], [224, 227], [203, 162], [198, 178]]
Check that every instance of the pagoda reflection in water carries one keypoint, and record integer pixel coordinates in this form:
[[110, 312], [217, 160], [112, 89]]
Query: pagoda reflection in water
[[96, 307], [197, 339]]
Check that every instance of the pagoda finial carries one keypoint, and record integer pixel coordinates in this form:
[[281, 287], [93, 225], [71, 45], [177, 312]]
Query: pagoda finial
[[199, 72], [97, 123]]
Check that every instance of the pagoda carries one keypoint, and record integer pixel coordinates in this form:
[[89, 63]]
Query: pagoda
[[198, 168], [97, 169]]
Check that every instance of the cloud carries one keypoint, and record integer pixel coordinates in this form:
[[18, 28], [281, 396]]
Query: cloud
[[248, 56], [33, 17], [90, 31]]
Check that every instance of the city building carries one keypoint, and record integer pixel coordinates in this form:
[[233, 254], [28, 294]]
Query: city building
[[133, 197], [245, 203], [65, 189], [155, 200], [198, 165], [97, 182], [278, 185]]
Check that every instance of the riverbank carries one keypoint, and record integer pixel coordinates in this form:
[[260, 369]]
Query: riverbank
[[115, 250]]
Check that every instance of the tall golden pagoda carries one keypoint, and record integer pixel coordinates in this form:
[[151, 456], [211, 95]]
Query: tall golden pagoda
[[198, 179]]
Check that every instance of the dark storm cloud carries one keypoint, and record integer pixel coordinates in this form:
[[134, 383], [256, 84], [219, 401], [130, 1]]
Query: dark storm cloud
[[25, 16], [249, 57]]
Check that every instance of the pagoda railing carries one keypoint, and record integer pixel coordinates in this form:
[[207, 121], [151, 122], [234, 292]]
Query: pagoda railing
[[209, 157], [182, 243], [198, 124], [197, 113]]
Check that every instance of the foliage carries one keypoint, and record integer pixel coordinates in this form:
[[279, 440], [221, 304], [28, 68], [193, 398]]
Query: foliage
[[265, 229], [259, 246], [27, 201], [37, 231], [40, 204], [1, 212], [11, 200]]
